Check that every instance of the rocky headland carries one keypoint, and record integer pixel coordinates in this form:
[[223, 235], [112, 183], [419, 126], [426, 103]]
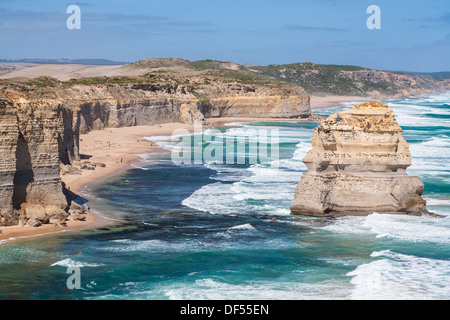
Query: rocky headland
[[357, 166]]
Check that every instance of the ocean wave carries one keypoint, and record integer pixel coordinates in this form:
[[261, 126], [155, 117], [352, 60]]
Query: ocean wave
[[246, 226], [230, 238], [396, 276], [214, 289], [398, 227], [69, 262], [438, 202]]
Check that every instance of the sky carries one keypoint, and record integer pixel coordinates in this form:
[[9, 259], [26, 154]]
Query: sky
[[414, 34]]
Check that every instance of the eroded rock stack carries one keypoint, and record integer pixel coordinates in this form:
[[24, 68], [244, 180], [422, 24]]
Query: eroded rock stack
[[357, 166]]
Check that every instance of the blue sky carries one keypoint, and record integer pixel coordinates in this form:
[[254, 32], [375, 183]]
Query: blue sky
[[414, 34]]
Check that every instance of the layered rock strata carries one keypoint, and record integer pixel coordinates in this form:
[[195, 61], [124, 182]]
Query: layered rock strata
[[357, 166], [29, 165], [40, 129], [238, 100]]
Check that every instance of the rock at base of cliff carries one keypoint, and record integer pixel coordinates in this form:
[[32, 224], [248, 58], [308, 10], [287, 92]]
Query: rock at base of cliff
[[77, 212], [36, 215], [68, 169]]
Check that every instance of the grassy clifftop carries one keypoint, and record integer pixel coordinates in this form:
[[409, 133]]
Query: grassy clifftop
[[350, 80], [316, 79]]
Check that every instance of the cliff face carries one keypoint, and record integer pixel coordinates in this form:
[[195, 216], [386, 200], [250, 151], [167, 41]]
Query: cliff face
[[357, 166], [40, 129], [95, 107], [238, 100], [9, 139], [30, 160]]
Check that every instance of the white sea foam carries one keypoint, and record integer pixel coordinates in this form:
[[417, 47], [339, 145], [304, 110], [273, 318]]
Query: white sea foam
[[436, 148], [166, 142], [398, 276], [415, 115], [246, 226], [437, 98], [266, 188], [437, 202], [213, 289], [226, 235], [399, 227], [69, 262]]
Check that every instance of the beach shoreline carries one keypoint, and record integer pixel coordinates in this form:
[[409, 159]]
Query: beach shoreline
[[118, 149], [321, 102]]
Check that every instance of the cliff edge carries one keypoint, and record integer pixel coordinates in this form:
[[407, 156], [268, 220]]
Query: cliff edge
[[41, 121], [357, 166]]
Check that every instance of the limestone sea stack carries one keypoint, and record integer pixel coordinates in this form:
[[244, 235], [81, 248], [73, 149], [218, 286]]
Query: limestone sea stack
[[357, 166]]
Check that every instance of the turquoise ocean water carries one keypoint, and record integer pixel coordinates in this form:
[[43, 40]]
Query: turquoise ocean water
[[214, 231]]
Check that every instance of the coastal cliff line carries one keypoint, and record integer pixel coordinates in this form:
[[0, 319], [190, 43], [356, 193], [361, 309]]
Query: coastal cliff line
[[43, 114], [40, 128]]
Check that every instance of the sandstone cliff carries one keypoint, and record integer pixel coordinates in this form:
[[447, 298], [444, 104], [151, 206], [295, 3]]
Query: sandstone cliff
[[357, 166], [41, 120], [238, 100], [29, 165]]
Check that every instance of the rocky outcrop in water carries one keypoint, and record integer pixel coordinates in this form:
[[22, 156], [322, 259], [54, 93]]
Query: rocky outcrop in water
[[357, 166]]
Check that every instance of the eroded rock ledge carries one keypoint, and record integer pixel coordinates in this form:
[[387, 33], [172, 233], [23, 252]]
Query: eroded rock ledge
[[357, 166]]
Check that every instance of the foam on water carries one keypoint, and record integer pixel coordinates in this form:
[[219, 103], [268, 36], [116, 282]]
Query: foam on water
[[246, 226], [69, 262], [399, 276], [253, 188], [214, 289], [230, 238], [398, 227]]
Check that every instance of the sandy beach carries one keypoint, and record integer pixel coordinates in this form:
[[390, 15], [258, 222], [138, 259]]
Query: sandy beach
[[317, 102], [118, 149]]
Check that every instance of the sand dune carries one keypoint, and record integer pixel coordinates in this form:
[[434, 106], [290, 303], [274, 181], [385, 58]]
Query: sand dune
[[65, 72]]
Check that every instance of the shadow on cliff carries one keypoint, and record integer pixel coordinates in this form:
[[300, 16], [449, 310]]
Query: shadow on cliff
[[24, 174]]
